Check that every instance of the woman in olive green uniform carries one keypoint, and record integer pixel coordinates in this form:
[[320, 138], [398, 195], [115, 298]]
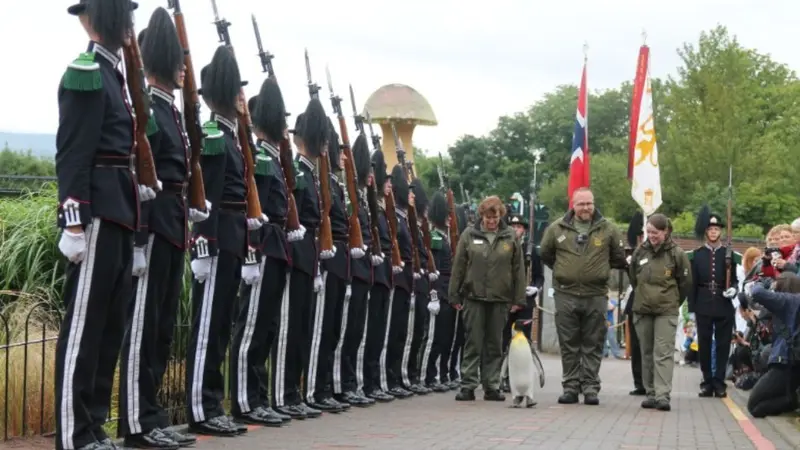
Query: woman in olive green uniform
[[661, 278], [488, 279]]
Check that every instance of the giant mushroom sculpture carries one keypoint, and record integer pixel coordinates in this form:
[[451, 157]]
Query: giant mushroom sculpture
[[404, 107]]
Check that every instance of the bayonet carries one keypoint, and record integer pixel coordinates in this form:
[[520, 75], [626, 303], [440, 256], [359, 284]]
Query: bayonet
[[313, 89], [174, 4], [336, 101], [265, 56], [397, 144], [440, 171], [358, 118], [376, 140], [222, 26]]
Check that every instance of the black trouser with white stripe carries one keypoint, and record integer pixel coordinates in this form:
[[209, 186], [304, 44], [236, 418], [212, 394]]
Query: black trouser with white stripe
[[96, 295], [148, 338], [419, 334], [254, 333], [457, 349], [438, 361], [377, 326], [326, 309], [348, 361], [290, 350], [398, 339], [213, 305]]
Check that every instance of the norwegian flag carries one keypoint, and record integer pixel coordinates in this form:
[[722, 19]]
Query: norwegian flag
[[579, 162]]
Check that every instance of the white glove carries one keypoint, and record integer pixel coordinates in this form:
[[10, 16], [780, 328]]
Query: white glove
[[377, 260], [433, 304], [692, 317], [73, 246], [357, 253], [729, 293], [397, 269], [433, 276], [530, 291], [327, 254], [250, 273], [296, 235], [256, 223], [417, 275], [145, 193], [317, 283], [201, 269], [195, 215], [139, 262], [628, 259]]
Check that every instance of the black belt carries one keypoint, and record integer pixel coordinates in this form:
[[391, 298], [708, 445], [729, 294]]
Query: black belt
[[279, 222], [113, 161], [175, 188], [233, 206], [711, 287]]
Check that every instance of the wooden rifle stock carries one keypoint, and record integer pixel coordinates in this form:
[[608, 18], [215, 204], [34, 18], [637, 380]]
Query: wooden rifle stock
[[426, 240], [134, 75], [325, 233], [453, 228], [247, 145], [415, 238], [191, 117], [372, 203], [292, 219], [355, 238], [391, 217]]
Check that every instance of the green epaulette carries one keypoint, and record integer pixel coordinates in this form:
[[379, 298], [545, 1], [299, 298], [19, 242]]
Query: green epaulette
[[437, 240], [83, 74], [347, 203], [262, 163], [300, 178], [152, 126], [737, 258], [213, 142]]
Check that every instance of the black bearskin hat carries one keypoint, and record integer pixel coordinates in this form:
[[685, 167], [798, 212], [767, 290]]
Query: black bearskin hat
[[112, 20], [400, 186], [438, 210], [379, 168], [162, 53], [461, 217], [268, 112], [334, 149], [420, 197], [706, 219], [635, 229], [221, 81], [361, 159], [312, 127]]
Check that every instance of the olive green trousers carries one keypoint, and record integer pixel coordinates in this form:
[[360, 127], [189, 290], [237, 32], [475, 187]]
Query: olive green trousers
[[483, 343], [657, 343]]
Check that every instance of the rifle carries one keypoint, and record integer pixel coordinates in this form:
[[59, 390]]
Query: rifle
[[729, 231], [245, 131], [391, 215], [134, 75], [529, 275], [355, 238], [372, 190], [325, 233], [284, 147], [451, 207], [412, 211], [426, 229], [191, 113]]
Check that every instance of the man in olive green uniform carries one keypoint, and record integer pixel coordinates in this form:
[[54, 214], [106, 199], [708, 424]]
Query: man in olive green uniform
[[487, 279], [581, 248]]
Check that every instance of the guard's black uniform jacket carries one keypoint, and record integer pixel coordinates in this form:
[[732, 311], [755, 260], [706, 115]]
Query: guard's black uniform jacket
[[403, 280], [340, 230], [362, 268], [383, 273], [421, 284], [306, 195], [708, 275], [443, 258], [224, 177], [94, 149], [270, 240], [166, 215]]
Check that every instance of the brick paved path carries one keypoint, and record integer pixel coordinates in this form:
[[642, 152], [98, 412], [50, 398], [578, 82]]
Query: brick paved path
[[436, 421]]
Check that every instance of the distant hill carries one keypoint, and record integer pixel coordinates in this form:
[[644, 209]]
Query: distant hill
[[39, 144]]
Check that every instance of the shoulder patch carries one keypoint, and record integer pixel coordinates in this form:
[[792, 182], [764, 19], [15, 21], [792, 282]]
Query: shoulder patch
[[83, 74], [436, 241], [300, 178], [152, 126], [737, 258], [213, 144], [262, 164]]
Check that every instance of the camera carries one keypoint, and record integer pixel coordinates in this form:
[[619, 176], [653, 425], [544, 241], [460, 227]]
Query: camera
[[582, 239], [771, 253]]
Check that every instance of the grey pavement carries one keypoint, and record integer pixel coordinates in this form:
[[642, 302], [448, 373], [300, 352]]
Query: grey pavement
[[436, 421]]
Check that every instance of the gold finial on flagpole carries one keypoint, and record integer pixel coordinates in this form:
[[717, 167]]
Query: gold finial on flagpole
[[644, 36]]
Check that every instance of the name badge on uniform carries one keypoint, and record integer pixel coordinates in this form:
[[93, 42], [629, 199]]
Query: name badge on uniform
[[667, 273], [561, 238], [477, 241], [643, 261], [598, 242]]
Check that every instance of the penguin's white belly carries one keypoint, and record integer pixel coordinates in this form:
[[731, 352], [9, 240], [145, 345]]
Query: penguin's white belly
[[521, 369]]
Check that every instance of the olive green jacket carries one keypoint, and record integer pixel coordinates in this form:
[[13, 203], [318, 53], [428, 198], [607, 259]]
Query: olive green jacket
[[582, 270], [661, 277], [492, 272]]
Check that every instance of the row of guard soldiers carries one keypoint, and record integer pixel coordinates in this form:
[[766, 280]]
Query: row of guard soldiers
[[322, 330]]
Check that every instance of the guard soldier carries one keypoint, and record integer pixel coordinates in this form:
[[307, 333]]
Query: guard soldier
[[219, 248], [382, 291], [290, 352], [98, 214], [456, 350], [437, 369], [255, 327], [710, 302], [398, 342], [349, 355], [161, 245], [335, 292]]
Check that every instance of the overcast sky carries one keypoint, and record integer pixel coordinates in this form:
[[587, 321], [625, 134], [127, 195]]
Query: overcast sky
[[473, 61]]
